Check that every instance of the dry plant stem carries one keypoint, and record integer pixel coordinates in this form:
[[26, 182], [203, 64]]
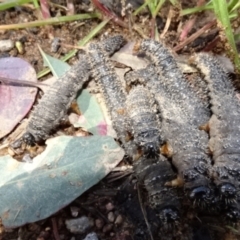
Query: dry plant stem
[[168, 22], [212, 44], [144, 212], [140, 31], [194, 36], [188, 26], [55, 229], [109, 14], [153, 24]]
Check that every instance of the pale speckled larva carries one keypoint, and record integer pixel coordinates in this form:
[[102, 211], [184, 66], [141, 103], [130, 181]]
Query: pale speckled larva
[[145, 125], [56, 101], [113, 92], [224, 128], [153, 174], [173, 79], [188, 145]]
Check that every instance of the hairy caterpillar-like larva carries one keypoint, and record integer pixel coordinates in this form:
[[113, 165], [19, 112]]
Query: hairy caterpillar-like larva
[[143, 121], [56, 101], [113, 92], [154, 173], [175, 84], [224, 127], [187, 143]]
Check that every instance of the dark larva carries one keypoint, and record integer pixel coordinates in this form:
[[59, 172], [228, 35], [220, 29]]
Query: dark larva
[[143, 121], [56, 101], [189, 145], [173, 79], [224, 127], [113, 92], [130, 205], [154, 173]]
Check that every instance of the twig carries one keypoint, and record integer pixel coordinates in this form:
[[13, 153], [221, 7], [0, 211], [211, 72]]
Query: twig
[[55, 229], [194, 36]]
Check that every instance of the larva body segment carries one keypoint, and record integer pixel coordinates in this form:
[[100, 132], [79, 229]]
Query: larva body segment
[[113, 92], [143, 120], [56, 101], [175, 84], [154, 173], [224, 126], [189, 145]]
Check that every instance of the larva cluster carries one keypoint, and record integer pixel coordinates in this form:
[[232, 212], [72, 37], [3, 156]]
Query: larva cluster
[[224, 131], [145, 126], [56, 101], [186, 145]]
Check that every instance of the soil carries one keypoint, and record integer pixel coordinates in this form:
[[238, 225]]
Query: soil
[[104, 204]]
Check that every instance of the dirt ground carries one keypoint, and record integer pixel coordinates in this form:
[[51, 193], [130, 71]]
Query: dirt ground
[[106, 208]]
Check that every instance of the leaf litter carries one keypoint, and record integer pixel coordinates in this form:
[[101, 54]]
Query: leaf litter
[[68, 167], [15, 100]]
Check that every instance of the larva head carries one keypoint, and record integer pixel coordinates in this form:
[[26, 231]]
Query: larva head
[[112, 44], [200, 194], [150, 149], [169, 216], [233, 214], [228, 192], [29, 139]]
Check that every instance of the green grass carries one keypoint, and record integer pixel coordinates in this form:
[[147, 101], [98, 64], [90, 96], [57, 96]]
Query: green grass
[[225, 11]]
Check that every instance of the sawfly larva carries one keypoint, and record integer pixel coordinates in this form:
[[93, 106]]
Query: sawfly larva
[[113, 92], [143, 121], [224, 126], [154, 174]]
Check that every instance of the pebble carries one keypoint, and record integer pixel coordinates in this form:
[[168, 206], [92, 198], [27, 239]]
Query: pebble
[[99, 223], [107, 228], [19, 46], [74, 211], [78, 225], [6, 45], [119, 220], [55, 44], [91, 236], [111, 217], [109, 206]]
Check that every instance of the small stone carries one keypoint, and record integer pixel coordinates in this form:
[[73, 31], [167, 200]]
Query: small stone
[[74, 211], [111, 217], [6, 45], [55, 44], [20, 47], [91, 236], [78, 225], [109, 206], [99, 223], [119, 220], [107, 228]]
